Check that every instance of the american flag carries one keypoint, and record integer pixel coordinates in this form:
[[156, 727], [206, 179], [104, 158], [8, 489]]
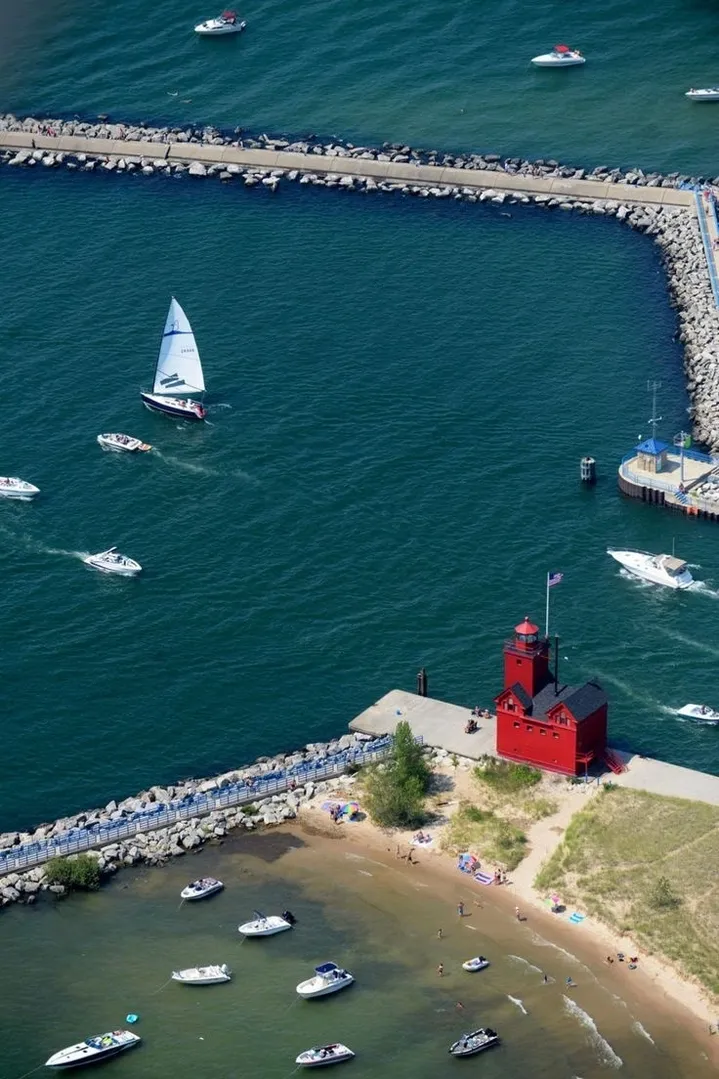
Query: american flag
[[554, 578]]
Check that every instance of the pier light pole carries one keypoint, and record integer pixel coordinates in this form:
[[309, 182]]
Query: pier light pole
[[680, 441], [653, 386]]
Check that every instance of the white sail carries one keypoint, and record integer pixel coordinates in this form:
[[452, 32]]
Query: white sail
[[179, 370]]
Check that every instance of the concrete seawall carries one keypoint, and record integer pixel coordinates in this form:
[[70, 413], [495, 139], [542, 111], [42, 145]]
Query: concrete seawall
[[400, 172]]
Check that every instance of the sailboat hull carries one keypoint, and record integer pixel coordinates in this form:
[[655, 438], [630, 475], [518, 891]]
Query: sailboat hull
[[176, 407]]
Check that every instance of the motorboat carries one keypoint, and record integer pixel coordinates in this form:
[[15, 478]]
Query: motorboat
[[560, 56], [264, 926], [711, 93], [662, 569], [474, 1042], [200, 889], [320, 1055], [178, 371], [701, 713], [122, 444], [211, 975], [478, 963], [328, 978], [12, 487], [226, 23], [111, 561], [92, 1050]]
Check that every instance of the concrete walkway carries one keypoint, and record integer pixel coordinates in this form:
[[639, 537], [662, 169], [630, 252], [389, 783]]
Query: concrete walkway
[[434, 175], [441, 726]]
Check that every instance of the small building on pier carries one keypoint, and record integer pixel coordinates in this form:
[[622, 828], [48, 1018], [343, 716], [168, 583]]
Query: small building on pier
[[675, 476], [541, 721]]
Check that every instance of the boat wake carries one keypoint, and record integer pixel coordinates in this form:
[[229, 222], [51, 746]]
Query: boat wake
[[186, 466], [710, 649], [520, 1005], [525, 963], [604, 1050], [703, 589], [62, 551], [639, 1029]]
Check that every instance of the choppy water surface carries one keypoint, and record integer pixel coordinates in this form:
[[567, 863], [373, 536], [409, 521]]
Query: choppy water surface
[[79, 967]]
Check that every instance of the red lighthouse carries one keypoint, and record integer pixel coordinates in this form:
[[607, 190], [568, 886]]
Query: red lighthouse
[[541, 721]]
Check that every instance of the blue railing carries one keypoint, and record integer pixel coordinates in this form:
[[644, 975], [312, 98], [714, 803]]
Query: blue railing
[[164, 814], [695, 455], [706, 239]]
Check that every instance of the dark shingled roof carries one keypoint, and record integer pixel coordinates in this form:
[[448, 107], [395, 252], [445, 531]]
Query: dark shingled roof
[[522, 696], [580, 700]]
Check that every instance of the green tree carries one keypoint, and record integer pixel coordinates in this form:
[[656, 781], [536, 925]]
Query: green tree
[[663, 896], [79, 874], [395, 790]]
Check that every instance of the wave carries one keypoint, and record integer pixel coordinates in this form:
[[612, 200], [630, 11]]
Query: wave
[[710, 649], [62, 551], [639, 1029], [518, 1002], [526, 963], [604, 1050], [701, 588], [536, 939]]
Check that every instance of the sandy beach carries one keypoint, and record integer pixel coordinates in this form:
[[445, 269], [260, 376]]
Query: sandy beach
[[655, 980]]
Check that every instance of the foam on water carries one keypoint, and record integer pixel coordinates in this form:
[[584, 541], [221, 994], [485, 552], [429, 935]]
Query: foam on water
[[604, 1050], [519, 1004], [525, 963], [639, 1029]]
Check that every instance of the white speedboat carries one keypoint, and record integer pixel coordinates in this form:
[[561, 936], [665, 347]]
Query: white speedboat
[[264, 926], [478, 963], [12, 487], [711, 93], [111, 561], [560, 56], [320, 1055], [226, 23], [662, 569], [122, 444], [328, 978], [178, 371], [211, 975], [200, 889], [474, 1042], [701, 712], [92, 1050]]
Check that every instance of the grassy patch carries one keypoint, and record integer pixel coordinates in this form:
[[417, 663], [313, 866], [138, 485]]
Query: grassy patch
[[506, 778], [485, 834], [538, 808], [648, 866], [78, 874]]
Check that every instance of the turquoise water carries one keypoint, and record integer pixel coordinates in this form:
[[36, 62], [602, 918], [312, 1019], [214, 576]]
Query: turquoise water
[[78, 967], [400, 392]]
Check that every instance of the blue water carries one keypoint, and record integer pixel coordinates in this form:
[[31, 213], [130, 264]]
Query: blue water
[[400, 391]]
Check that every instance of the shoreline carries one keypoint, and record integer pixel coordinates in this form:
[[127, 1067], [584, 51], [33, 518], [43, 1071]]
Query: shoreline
[[654, 976]]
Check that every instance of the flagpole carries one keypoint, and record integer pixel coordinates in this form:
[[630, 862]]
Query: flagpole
[[546, 621]]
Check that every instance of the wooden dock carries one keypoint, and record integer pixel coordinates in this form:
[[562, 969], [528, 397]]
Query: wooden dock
[[380, 171]]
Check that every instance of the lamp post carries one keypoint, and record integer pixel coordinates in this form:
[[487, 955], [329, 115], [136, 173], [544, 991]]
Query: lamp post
[[680, 441]]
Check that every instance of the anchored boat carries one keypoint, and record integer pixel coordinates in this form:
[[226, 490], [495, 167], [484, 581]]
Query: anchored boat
[[263, 926], [321, 1055], [93, 1050], [478, 963], [178, 370], [560, 56], [226, 23], [211, 975], [12, 487], [711, 93], [328, 978], [474, 1042], [200, 889]]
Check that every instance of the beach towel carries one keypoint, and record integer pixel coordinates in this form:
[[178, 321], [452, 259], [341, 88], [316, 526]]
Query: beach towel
[[576, 918], [483, 878]]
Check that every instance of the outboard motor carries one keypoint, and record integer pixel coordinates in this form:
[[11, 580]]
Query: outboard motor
[[289, 917]]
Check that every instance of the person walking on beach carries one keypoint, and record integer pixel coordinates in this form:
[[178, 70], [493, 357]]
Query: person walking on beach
[[440, 970], [460, 909], [518, 914], [439, 934]]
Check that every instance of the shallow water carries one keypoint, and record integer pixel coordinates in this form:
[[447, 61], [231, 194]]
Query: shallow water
[[78, 967]]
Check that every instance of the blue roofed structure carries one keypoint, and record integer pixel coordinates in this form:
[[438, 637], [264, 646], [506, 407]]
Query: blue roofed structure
[[652, 446]]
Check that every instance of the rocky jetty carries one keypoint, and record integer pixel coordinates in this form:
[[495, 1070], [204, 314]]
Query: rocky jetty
[[673, 228], [298, 778]]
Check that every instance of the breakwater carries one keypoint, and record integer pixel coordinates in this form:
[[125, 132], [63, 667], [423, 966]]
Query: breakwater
[[166, 822], [663, 206]]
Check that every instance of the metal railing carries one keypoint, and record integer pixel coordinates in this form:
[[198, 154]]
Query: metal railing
[[685, 498], [708, 250], [162, 814]]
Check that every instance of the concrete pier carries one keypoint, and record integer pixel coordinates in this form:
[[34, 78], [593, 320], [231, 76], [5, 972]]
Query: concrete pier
[[441, 726], [431, 175]]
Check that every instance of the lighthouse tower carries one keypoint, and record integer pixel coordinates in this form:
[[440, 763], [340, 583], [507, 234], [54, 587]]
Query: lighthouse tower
[[526, 659]]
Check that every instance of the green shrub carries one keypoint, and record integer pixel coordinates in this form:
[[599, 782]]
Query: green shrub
[[506, 778], [79, 874], [395, 790], [663, 896]]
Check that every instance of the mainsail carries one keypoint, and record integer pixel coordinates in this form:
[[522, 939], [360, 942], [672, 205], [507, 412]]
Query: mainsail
[[179, 370]]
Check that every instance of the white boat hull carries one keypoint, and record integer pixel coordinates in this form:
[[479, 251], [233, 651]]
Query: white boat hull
[[474, 965], [177, 407], [211, 28], [700, 712], [83, 1053], [114, 443], [127, 568], [12, 487], [212, 975], [333, 1054], [264, 927], [642, 565], [190, 893], [320, 987], [703, 95], [548, 59]]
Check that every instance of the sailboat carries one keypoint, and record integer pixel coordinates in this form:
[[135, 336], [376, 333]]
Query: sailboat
[[178, 371]]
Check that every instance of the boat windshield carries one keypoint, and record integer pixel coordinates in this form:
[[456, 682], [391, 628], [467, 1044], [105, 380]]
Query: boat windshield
[[674, 566]]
